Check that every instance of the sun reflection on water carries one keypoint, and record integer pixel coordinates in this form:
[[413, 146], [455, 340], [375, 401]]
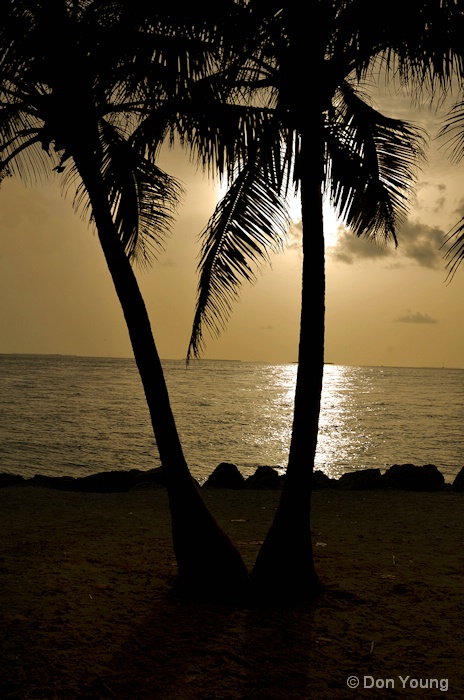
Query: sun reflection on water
[[343, 441], [76, 416]]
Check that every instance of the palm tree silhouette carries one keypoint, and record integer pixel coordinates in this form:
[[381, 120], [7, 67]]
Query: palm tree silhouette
[[77, 97], [72, 101], [322, 139]]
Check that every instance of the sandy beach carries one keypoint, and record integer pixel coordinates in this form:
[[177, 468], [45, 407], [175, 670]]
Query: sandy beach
[[87, 611]]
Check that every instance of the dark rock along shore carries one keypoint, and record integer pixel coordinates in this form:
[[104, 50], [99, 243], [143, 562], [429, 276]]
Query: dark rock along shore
[[404, 477]]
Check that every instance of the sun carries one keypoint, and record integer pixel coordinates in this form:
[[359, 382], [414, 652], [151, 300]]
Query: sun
[[331, 222], [331, 225]]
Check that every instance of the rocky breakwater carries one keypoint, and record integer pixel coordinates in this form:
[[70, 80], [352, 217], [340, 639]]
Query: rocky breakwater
[[404, 477]]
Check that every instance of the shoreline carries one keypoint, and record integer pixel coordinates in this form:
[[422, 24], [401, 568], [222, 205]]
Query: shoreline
[[404, 477]]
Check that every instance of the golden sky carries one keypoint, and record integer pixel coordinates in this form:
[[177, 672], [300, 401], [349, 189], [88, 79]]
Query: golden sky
[[384, 306]]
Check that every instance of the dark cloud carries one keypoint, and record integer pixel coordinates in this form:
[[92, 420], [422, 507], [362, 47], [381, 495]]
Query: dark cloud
[[415, 317], [416, 241], [422, 243], [350, 248]]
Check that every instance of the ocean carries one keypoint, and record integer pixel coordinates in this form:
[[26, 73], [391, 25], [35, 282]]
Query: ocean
[[66, 415]]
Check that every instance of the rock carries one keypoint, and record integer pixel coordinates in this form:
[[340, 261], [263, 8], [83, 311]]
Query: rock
[[117, 481], [60, 483], [264, 478], [458, 483], [362, 480], [225, 476], [151, 479], [109, 482], [102, 482], [408, 477], [322, 481], [11, 479]]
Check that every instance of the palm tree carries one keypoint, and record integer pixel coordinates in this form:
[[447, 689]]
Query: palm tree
[[72, 98], [334, 143]]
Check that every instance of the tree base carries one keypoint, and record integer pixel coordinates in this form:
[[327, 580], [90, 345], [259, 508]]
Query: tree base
[[209, 565], [284, 572]]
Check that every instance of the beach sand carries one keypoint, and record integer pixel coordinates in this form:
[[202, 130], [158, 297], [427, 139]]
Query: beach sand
[[87, 611]]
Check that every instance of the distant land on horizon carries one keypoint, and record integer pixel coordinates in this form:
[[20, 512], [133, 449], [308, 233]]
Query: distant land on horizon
[[215, 359]]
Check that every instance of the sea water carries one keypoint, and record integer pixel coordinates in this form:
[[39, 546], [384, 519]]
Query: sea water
[[62, 415]]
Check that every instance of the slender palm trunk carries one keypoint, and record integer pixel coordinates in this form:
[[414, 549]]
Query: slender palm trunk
[[284, 568], [208, 562]]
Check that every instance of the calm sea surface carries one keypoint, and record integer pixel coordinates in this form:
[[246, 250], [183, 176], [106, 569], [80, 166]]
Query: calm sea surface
[[74, 416]]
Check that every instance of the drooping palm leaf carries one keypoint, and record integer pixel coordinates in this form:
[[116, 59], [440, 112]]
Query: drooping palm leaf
[[372, 162], [143, 198], [453, 132], [249, 222], [39, 122]]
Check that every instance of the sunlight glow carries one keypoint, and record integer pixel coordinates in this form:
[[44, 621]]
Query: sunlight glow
[[295, 209], [341, 432], [331, 223]]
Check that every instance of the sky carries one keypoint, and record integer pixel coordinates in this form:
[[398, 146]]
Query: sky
[[384, 306]]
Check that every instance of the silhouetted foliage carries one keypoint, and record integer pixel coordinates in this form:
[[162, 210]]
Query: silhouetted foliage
[[319, 139], [91, 89], [80, 83]]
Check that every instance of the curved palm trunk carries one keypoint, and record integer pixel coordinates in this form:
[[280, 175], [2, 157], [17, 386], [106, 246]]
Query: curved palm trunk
[[207, 561], [284, 568]]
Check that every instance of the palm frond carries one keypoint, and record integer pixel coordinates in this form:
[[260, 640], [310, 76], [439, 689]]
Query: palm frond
[[423, 49], [250, 221], [222, 137], [143, 198], [453, 132], [21, 144], [455, 252], [372, 165]]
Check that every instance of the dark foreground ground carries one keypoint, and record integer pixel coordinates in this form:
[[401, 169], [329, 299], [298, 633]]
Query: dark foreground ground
[[87, 611]]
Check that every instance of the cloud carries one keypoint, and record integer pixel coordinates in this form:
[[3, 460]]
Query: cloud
[[422, 243], [168, 262], [430, 196], [415, 317], [349, 248], [439, 205], [294, 234], [417, 242], [459, 210]]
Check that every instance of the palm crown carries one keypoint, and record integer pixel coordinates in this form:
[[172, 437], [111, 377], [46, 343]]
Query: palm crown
[[80, 81], [92, 88], [54, 89], [319, 139], [369, 161]]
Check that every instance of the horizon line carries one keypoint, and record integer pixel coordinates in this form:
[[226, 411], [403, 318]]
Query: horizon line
[[218, 359]]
